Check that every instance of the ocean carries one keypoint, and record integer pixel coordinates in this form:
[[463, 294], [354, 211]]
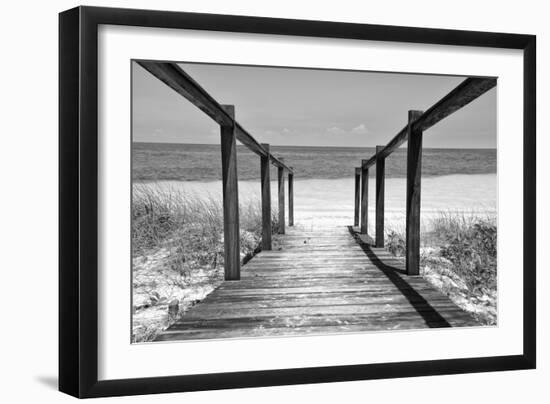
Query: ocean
[[196, 162], [453, 180]]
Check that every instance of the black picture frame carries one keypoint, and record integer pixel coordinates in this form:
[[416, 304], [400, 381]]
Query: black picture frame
[[78, 200]]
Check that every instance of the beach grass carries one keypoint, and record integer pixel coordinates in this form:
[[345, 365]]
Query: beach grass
[[177, 251], [458, 255]]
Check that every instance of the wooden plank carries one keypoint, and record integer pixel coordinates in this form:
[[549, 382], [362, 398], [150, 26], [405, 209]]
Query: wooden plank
[[357, 195], [292, 237], [288, 331], [262, 269], [219, 312], [361, 281], [306, 244], [311, 260], [307, 241], [232, 259], [343, 288], [281, 183], [177, 79], [266, 199], [328, 261], [371, 322], [304, 325], [414, 176], [307, 253], [334, 270], [364, 199], [312, 245], [320, 274], [308, 257], [328, 296], [326, 234], [312, 299], [460, 96], [290, 199], [380, 178], [309, 245], [314, 286]]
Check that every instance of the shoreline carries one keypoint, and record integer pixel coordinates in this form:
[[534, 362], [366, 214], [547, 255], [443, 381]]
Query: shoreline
[[331, 201], [372, 174]]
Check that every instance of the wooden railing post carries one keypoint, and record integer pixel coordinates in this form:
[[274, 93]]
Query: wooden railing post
[[357, 195], [266, 199], [281, 183], [364, 197], [290, 198], [230, 193], [380, 178], [414, 172]]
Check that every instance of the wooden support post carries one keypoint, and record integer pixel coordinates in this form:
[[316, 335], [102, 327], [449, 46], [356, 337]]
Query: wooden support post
[[364, 198], [357, 195], [266, 199], [380, 178], [414, 172], [281, 182], [290, 199], [230, 193]]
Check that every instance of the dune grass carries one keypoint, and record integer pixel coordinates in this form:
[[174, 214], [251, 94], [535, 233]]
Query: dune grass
[[177, 251], [459, 256]]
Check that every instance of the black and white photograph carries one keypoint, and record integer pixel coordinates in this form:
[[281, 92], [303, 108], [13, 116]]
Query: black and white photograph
[[276, 202]]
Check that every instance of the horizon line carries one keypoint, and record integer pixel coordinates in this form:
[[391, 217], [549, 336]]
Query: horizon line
[[326, 146]]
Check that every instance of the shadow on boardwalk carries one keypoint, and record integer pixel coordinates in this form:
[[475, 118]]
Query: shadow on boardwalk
[[392, 272], [320, 281]]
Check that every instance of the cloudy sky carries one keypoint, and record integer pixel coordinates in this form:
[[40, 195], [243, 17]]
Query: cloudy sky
[[308, 107]]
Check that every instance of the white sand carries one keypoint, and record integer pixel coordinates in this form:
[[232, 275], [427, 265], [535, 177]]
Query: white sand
[[331, 202]]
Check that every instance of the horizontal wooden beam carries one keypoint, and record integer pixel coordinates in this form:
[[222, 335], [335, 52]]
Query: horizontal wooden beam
[[462, 95], [178, 80]]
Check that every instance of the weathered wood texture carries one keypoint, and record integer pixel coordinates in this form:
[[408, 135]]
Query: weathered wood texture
[[281, 184], [364, 199], [319, 282], [177, 79], [414, 175], [460, 96], [266, 199], [230, 193], [290, 199], [357, 196], [380, 179]]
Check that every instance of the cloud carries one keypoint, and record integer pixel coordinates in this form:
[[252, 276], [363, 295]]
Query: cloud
[[335, 130], [360, 130]]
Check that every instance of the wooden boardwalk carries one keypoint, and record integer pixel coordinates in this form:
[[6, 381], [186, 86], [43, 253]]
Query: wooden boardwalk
[[318, 282]]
